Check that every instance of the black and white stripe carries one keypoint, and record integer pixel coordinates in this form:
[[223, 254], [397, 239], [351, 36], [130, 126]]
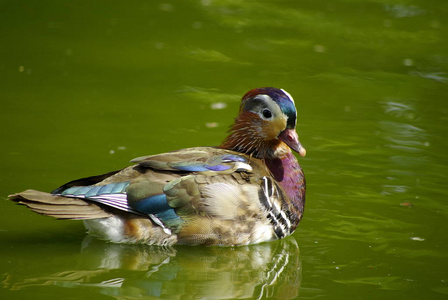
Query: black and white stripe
[[269, 197]]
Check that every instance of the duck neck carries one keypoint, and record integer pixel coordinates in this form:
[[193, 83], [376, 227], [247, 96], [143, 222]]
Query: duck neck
[[245, 136], [288, 173]]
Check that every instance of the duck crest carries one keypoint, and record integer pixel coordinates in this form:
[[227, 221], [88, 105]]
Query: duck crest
[[250, 189], [281, 97]]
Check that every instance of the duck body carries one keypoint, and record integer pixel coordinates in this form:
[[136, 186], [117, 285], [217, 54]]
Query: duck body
[[249, 190]]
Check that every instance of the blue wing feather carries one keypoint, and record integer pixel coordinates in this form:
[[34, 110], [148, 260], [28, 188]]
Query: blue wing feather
[[157, 205], [151, 205], [106, 189], [93, 191], [96, 190], [233, 158], [191, 168], [201, 168], [112, 194], [216, 163], [119, 187], [170, 219]]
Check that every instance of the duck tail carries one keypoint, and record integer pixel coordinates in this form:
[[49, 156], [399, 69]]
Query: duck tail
[[58, 206]]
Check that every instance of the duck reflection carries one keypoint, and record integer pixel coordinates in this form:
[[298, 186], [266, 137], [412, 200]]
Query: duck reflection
[[271, 270]]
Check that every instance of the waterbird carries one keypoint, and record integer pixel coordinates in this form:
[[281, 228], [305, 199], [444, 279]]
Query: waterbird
[[248, 190]]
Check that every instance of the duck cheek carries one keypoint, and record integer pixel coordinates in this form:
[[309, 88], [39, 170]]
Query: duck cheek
[[269, 132], [275, 128]]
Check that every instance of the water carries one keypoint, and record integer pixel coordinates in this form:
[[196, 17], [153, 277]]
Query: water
[[88, 86]]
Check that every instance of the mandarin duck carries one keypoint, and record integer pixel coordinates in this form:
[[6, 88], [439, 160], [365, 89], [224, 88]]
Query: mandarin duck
[[248, 190]]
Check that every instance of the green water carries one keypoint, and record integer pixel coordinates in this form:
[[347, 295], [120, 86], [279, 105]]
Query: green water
[[88, 85]]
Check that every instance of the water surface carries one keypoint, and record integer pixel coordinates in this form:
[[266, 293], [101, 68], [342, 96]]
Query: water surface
[[85, 87]]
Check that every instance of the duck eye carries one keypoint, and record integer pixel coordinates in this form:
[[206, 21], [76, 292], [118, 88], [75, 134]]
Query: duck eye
[[267, 113]]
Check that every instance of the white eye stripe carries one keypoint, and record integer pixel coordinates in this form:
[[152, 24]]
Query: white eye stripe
[[289, 96], [263, 97]]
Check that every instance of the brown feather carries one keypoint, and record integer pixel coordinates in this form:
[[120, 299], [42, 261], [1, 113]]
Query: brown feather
[[253, 136], [59, 207]]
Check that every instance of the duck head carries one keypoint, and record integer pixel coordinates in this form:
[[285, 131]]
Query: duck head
[[265, 125]]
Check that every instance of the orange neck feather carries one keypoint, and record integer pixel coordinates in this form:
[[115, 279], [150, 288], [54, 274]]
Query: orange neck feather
[[247, 136]]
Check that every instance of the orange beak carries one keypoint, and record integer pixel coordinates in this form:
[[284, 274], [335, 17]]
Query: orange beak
[[290, 138]]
